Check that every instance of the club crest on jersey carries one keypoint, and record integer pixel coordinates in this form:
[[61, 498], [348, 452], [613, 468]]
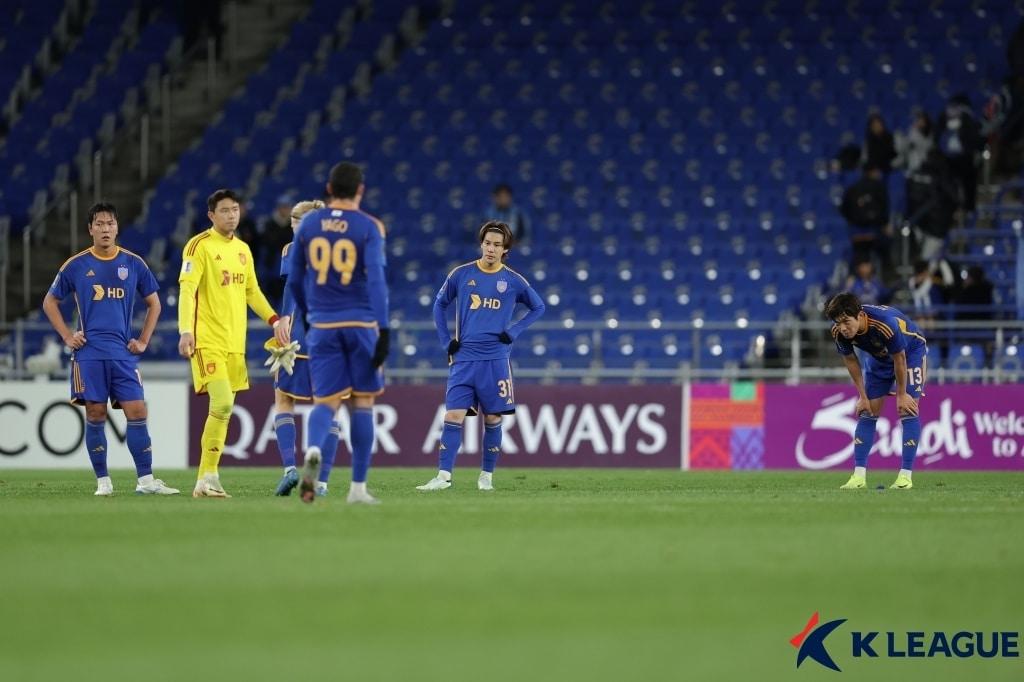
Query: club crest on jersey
[[241, 258], [122, 272], [211, 367], [502, 286]]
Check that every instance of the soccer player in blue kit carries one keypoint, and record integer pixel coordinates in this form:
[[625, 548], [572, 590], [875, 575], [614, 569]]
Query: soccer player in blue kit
[[896, 353], [486, 293], [336, 274], [104, 280]]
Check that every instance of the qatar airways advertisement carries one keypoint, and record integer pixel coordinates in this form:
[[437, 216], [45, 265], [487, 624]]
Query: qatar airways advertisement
[[963, 427]]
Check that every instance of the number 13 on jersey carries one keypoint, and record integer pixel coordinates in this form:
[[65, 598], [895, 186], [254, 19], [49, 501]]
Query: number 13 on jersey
[[339, 257]]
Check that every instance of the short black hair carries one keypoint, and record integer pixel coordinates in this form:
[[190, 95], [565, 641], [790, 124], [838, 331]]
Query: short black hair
[[101, 207], [501, 187], [842, 305], [220, 195], [344, 180]]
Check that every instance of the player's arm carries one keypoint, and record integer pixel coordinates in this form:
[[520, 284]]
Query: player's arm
[[532, 300], [445, 295], [259, 304], [296, 271], [138, 346], [377, 288], [60, 288], [897, 347], [192, 270]]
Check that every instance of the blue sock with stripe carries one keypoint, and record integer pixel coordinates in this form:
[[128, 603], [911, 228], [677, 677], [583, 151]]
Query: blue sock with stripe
[[330, 452], [451, 439], [492, 447], [911, 439], [362, 443], [863, 439], [284, 427], [96, 444], [141, 447], [319, 423]]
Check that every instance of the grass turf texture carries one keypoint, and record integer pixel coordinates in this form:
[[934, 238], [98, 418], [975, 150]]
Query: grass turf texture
[[558, 575]]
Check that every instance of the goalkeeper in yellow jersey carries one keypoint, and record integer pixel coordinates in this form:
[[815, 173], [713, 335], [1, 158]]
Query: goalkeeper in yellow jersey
[[217, 282]]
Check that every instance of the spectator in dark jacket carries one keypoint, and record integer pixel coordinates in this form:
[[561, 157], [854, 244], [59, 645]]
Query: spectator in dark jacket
[[960, 140], [503, 208], [931, 203], [976, 291], [866, 210], [879, 147]]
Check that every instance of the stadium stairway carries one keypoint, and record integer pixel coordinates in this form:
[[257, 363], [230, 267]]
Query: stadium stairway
[[261, 25]]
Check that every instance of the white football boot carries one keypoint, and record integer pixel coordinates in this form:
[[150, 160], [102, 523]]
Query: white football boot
[[104, 487]]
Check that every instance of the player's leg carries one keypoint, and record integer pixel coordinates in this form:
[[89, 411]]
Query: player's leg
[[128, 394], [96, 444], [367, 384], [497, 397], [331, 385], [460, 397], [911, 423], [284, 430], [877, 381]]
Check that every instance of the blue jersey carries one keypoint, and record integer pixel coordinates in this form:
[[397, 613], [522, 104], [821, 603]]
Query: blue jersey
[[889, 331], [104, 291], [485, 303], [288, 306], [336, 268]]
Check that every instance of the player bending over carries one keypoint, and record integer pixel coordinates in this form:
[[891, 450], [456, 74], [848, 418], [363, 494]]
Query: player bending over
[[896, 353], [486, 293], [104, 280], [218, 281], [336, 274]]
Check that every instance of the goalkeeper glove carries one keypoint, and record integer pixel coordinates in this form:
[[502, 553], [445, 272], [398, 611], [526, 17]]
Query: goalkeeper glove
[[281, 357], [504, 337], [453, 346], [380, 352]]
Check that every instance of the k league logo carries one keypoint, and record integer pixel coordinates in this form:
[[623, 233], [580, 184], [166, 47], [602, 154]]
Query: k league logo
[[810, 642]]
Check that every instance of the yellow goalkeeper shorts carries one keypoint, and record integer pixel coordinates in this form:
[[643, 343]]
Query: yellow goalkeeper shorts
[[209, 364]]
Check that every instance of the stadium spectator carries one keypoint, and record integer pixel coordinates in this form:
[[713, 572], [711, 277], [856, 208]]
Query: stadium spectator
[[975, 295], [276, 232], [879, 146], [925, 291], [504, 209], [960, 140], [866, 285], [931, 204], [913, 147], [248, 233], [865, 207]]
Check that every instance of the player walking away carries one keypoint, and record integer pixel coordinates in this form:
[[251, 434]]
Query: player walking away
[[297, 385], [336, 275], [485, 293], [218, 280], [895, 352], [104, 280]]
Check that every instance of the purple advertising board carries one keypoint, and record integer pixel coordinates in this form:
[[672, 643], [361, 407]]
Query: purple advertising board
[[964, 427], [554, 426]]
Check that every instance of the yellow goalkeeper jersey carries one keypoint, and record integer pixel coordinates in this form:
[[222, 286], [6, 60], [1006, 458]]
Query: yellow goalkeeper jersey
[[217, 282]]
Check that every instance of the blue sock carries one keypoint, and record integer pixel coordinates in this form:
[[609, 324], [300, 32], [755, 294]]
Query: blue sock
[[911, 438], [141, 447], [362, 443], [96, 444], [284, 427], [492, 446], [330, 451], [451, 439], [863, 439], [319, 424]]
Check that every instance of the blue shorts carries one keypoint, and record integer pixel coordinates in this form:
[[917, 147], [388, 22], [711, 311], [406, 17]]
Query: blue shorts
[[483, 384], [298, 384], [340, 362], [97, 381], [880, 376]]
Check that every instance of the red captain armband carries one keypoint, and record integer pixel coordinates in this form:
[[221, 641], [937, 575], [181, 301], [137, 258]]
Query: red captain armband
[[273, 320]]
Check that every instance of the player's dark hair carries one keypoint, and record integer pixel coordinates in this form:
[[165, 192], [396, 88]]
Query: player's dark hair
[[101, 207], [344, 180], [501, 187], [842, 305], [220, 195], [501, 228]]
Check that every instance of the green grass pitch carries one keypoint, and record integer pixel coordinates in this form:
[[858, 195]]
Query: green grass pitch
[[557, 575]]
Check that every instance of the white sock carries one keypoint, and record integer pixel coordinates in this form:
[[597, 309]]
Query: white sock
[[357, 487], [860, 471], [104, 479], [146, 480], [444, 475], [905, 472]]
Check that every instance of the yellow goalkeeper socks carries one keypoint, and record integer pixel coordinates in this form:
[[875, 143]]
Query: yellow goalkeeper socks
[[216, 430]]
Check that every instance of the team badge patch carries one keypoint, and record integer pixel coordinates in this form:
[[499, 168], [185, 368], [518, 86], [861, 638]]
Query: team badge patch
[[211, 367], [502, 286], [241, 258], [122, 272]]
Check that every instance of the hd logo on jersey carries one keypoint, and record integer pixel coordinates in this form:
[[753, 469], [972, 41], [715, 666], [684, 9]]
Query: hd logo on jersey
[[99, 292], [810, 643], [227, 277], [477, 301]]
